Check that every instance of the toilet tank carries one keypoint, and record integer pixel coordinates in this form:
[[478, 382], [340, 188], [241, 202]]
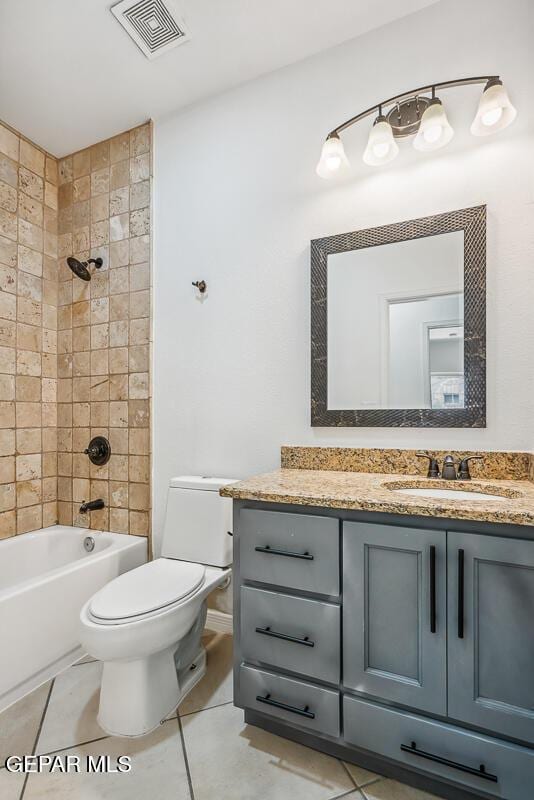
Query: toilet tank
[[197, 521]]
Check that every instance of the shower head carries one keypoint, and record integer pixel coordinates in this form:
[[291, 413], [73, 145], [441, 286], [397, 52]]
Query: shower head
[[80, 268]]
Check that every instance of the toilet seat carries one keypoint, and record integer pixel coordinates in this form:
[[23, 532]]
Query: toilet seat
[[146, 590]]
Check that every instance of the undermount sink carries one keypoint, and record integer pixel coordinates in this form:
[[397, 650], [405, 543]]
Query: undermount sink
[[448, 494]]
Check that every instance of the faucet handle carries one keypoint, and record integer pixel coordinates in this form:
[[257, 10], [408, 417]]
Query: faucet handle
[[463, 470], [433, 466]]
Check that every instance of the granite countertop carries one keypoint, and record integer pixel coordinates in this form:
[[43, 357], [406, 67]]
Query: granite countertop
[[363, 491]]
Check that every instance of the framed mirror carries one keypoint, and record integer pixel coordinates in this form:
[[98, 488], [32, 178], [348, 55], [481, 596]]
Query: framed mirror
[[398, 324]]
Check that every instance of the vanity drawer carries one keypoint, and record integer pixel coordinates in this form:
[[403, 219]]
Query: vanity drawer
[[294, 550], [291, 701], [384, 730], [292, 633]]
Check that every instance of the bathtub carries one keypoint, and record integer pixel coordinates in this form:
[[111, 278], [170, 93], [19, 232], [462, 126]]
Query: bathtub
[[45, 578]]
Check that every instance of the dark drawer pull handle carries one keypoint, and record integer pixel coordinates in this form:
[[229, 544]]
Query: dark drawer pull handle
[[432, 589], [460, 594], [272, 551], [480, 772], [303, 712], [285, 637]]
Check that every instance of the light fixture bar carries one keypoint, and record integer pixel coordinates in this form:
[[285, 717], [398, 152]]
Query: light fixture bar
[[431, 87]]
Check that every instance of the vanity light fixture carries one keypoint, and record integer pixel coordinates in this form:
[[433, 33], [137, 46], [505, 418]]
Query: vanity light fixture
[[381, 146], [333, 160], [414, 112], [495, 110], [435, 130]]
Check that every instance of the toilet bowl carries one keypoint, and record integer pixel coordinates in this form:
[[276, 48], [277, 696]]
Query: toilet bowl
[[146, 625]]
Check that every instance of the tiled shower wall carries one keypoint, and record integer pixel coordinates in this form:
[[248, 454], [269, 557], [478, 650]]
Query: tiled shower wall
[[104, 332], [74, 356], [28, 335]]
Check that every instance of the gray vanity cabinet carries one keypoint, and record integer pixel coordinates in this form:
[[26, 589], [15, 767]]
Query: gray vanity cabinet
[[404, 648], [491, 633], [394, 614]]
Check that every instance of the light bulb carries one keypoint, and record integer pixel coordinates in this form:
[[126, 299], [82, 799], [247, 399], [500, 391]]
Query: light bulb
[[435, 130], [495, 111], [381, 146], [381, 150], [492, 117], [432, 134], [333, 161]]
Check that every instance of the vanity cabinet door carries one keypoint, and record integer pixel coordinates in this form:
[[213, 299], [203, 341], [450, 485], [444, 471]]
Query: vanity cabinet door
[[394, 614], [491, 633]]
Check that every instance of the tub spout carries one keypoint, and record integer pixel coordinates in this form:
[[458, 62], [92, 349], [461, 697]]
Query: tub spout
[[91, 505]]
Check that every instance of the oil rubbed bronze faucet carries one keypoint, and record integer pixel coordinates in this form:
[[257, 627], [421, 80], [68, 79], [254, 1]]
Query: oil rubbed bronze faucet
[[448, 470], [92, 505]]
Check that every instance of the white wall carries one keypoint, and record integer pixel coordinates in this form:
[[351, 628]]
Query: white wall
[[237, 202]]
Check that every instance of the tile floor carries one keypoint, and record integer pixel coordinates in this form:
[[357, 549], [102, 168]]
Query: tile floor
[[204, 752]]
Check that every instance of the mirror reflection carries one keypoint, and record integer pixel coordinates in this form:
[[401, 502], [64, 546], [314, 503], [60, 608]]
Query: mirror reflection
[[396, 325]]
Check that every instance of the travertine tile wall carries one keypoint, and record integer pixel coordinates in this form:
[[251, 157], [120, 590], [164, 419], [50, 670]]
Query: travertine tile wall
[[104, 332], [28, 335]]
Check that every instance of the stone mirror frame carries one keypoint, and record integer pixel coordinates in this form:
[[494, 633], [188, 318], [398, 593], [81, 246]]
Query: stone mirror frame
[[472, 221]]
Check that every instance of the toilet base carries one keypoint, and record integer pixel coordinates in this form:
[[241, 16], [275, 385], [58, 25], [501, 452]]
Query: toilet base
[[137, 696], [192, 675]]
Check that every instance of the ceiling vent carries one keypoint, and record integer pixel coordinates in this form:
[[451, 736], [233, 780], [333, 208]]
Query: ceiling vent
[[154, 25]]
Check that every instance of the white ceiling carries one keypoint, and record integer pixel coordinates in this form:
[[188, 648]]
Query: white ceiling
[[70, 75]]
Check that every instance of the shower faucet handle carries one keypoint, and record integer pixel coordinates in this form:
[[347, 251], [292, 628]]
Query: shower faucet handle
[[433, 466], [99, 451]]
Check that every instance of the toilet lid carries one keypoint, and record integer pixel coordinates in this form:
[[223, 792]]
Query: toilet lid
[[147, 588]]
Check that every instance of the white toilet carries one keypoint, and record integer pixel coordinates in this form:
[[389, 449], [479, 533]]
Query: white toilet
[[146, 625]]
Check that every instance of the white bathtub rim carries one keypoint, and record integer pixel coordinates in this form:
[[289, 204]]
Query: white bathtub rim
[[121, 541]]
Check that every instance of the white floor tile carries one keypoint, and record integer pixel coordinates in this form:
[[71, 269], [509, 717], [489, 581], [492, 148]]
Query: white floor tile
[[361, 776], [216, 687], [387, 789], [11, 784], [71, 715], [19, 723], [158, 771], [229, 760]]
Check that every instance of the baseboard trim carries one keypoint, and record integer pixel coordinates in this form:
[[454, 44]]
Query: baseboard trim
[[219, 622]]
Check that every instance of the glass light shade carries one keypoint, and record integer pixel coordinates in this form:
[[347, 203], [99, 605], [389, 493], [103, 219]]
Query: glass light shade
[[435, 130], [381, 146], [495, 111], [333, 161]]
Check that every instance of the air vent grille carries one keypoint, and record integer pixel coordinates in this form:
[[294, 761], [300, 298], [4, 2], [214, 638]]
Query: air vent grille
[[154, 25]]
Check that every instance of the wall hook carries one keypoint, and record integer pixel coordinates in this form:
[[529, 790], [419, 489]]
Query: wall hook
[[201, 286]]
